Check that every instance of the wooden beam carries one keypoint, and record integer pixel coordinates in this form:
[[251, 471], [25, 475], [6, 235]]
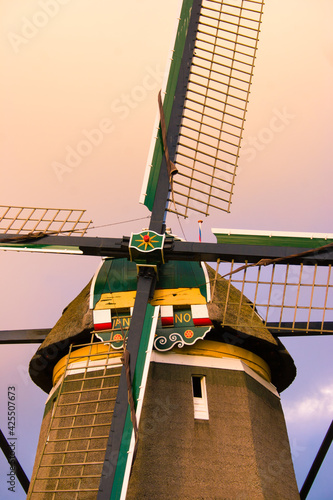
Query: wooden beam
[[32, 336]]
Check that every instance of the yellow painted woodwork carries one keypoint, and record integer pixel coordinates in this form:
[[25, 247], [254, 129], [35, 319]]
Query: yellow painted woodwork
[[220, 350], [177, 297], [116, 300], [206, 348], [92, 353], [165, 297]]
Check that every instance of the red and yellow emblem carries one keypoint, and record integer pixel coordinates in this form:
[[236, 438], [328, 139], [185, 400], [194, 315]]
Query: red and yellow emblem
[[118, 337], [148, 240], [146, 246]]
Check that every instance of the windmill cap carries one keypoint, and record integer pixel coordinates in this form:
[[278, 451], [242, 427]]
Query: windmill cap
[[76, 324]]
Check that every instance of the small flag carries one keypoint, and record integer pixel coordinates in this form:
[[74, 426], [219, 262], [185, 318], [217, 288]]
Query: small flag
[[200, 222]]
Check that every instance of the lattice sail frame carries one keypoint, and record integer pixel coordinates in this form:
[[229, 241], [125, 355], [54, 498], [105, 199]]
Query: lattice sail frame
[[288, 298], [215, 105], [78, 431], [27, 220]]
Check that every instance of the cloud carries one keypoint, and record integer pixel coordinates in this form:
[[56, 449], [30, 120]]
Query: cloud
[[314, 407]]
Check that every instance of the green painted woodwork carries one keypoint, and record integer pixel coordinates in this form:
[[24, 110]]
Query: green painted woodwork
[[178, 274], [46, 248], [168, 100], [120, 275], [147, 247], [183, 332], [296, 240], [137, 382], [115, 275], [119, 329]]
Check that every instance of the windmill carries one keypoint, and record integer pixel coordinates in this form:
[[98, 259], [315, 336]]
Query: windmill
[[187, 248]]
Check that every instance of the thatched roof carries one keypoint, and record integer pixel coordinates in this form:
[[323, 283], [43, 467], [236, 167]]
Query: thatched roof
[[235, 323], [74, 326], [235, 310]]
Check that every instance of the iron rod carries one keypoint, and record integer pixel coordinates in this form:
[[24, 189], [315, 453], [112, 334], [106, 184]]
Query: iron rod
[[14, 463], [317, 463]]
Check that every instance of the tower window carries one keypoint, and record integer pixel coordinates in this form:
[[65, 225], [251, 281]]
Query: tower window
[[200, 401], [196, 385]]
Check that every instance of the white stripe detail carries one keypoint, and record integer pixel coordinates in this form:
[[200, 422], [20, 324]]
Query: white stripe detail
[[81, 367], [42, 250], [290, 234], [93, 283], [140, 401], [158, 118], [208, 287], [210, 362], [199, 311]]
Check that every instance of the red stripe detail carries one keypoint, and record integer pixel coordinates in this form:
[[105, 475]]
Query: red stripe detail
[[167, 321], [103, 326], [202, 321]]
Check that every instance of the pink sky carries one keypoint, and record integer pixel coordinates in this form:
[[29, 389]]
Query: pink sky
[[86, 65]]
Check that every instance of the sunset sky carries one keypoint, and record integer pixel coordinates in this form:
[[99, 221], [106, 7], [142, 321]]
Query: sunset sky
[[71, 67]]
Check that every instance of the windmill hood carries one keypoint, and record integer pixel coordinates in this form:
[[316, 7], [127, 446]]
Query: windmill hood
[[74, 326], [183, 292]]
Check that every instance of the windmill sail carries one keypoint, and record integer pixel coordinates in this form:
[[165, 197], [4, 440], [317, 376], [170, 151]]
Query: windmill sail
[[23, 228], [205, 102], [27, 220], [290, 297]]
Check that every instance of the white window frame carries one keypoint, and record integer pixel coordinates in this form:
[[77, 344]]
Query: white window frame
[[200, 404]]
